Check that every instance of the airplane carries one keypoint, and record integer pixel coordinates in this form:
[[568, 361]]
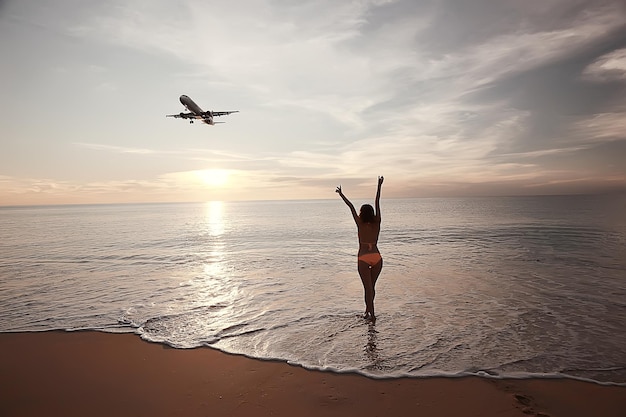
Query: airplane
[[195, 112]]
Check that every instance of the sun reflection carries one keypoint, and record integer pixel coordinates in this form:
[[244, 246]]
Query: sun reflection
[[214, 226], [215, 218]]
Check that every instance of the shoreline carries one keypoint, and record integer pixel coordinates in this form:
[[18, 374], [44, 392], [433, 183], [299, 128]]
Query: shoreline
[[101, 374], [517, 376]]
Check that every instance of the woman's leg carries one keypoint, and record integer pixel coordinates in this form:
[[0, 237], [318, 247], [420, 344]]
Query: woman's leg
[[376, 272], [365, 272]]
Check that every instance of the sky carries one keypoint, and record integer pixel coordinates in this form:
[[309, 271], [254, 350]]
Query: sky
[[442, 97]]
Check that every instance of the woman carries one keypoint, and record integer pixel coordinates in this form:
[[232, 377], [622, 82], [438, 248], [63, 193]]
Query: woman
[[370, 263]]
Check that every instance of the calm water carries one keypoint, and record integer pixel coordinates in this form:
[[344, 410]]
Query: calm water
[[501, 287]]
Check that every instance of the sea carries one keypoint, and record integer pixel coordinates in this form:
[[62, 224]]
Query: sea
[[506, 287]]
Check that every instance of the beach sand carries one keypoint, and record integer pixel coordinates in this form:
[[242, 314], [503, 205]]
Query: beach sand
[[99, 374]]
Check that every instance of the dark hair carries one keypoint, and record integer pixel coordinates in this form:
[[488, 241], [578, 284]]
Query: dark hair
[[367, 213]]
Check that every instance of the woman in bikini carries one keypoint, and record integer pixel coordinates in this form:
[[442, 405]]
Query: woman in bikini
[[370, 263]]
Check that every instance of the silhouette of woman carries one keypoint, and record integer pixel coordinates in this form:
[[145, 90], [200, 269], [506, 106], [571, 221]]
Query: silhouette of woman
[[370, 263]]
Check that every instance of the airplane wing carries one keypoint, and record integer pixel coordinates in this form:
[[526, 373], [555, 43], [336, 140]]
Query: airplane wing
[[183, 115], [224, 113]]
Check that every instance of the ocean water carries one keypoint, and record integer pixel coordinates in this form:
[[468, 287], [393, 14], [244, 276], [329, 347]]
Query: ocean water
[[498, 287]]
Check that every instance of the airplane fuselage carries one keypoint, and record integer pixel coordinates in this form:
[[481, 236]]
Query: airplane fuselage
[[190, 105]]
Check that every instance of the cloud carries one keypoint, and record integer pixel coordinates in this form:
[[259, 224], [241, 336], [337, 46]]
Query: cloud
[[557, 96], [119, 149], [608, 67]]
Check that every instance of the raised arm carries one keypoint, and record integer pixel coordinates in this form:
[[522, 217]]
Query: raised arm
[[380, 184], [348, 203]]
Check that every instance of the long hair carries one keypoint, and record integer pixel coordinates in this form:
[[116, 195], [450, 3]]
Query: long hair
[[367, 214]]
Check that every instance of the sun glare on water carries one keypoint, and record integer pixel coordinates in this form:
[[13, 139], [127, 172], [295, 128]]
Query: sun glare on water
[[214, 177]]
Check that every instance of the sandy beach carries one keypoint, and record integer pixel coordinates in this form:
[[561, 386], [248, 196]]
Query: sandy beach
[[100, 374]]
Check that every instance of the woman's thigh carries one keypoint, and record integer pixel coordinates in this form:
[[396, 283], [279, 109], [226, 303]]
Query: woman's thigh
[[365, 272]]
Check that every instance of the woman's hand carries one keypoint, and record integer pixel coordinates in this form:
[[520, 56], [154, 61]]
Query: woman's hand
[[380, 180], [338, 190]]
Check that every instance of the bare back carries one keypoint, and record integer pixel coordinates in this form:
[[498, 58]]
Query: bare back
[[368, 235]]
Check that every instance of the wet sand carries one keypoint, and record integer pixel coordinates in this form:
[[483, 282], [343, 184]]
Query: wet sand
[[99, 374]]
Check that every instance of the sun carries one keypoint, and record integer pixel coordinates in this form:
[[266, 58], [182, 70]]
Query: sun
[[214, 177]]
